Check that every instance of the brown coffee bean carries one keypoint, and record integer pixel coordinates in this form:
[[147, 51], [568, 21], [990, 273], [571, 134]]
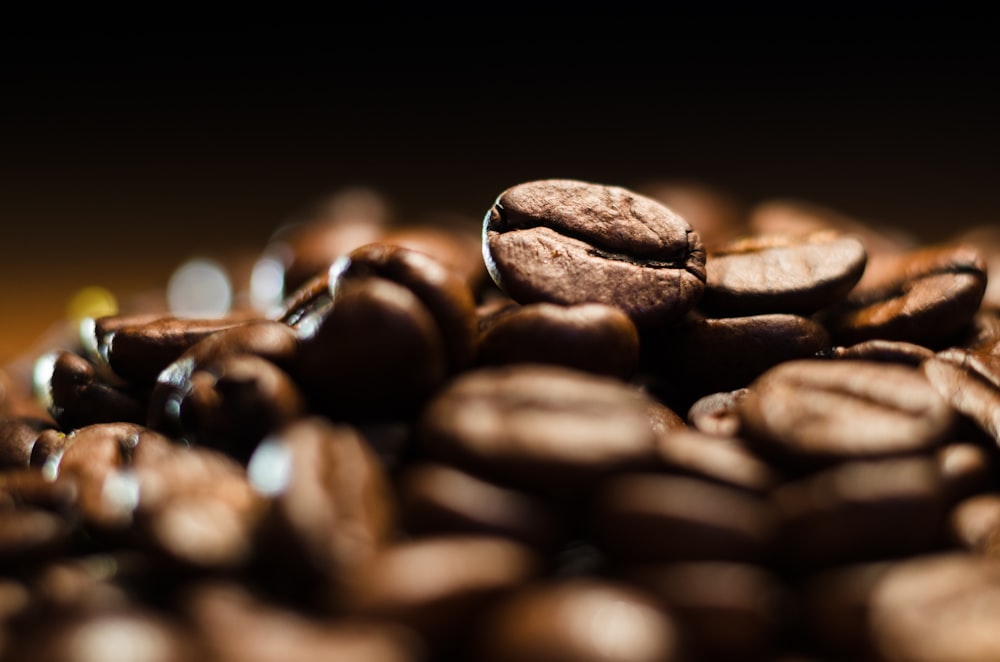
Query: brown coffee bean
[[68, 386], [544, 428], [439, 586], [438, 499], [235, 401], [974, 524], [926, 298], [861, 511], [137, 352], [885, 351], [834, 608], [658, 517], [453, 239], [699, 356], [966, 469], [970, 382], [567, 242], [579, 620], [236, 625], [717, 413], [726, 611], [29, 535], [813, 412], [937, 607], [723, 460], [782, 273], [18, 437], [593, 337], [331, 505]]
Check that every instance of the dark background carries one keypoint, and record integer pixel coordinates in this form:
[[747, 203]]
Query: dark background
[[125, 149]]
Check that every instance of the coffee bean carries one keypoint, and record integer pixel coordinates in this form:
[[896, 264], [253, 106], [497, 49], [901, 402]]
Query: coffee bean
[[970, 382], [657, 517], [937, 607], [581, 619], [814, 412], [798, 274], [723, 460], [450, 238], [593, 337], [67, 384], [717, 413], [18, 437], [861, 511], [886, 351], [966, 469], [544, 428], [927, 298], [567, 242], [727, 611]]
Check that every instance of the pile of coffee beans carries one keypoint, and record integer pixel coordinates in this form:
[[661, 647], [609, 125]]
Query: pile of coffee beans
[[601, 423]]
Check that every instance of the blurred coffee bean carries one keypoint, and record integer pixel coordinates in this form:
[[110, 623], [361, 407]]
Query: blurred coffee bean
[[937, 607], [723, 460], [313, 240], [236, 625], [814, 412], [658, 517], [974, 524], [781, 273], [579, 620], [861, 511], [718, 216], [29, 535], [66, 383], [966, 469], [726, 611], [970, 382], [699, 356], [453, 239], [567, 242], [331, 506], [885, 351], [834, 608], [235, 401], [927, 298], [18, 437], [269, 340], [717, 413], [439, 586], [138, 351], [593, 337], [545, 428], [438, 499]]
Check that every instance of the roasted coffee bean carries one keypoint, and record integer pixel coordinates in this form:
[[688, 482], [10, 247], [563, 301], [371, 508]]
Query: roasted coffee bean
[[974, 524], [438, 499], [566, 242], [717, 413], [235, 401], [138, 351], [453, 239], [18, 437], [927, 298], [778, 273], [73, 395], [699, 356], [237, 625], [579, 620], [114, 635], [970, 382], [400, 324], [331, 505], [885, 351], [716, 215], [861, 511], [726, 611], [593, 337], [966, 469], [439, 586], [834, 609], [814, 412], [27, 487], [544, 428], [658, 517], [723, 460], [268, 340], [937, 607]]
